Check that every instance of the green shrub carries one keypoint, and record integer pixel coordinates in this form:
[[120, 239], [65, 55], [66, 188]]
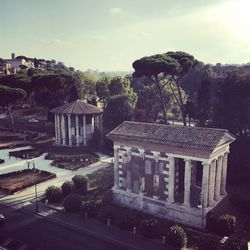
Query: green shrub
[[226, 224], [89, 207], [209, 242], [177, 236], [53, 194], [108, 212], [72, 203], [149, 227], [80, 182], [222, 225], [127, 219], [67, 187], [235, 244]]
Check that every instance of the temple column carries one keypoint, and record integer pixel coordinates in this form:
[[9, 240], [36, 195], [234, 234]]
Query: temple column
[[171, 179], [156, 176], [187, 182], [59, 129], [84, 130], [211, 192], [63, 129], [69, 130], [205, 183], [224, 174], [56, 128], [77, 130], [218, 179], [116, 166]]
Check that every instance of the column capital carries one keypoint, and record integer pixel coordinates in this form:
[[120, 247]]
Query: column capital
[[187, 160], [206, 163]]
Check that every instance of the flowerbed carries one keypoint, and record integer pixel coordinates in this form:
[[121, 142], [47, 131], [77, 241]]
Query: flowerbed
[[16, 181], [72, 162], [26, 153]]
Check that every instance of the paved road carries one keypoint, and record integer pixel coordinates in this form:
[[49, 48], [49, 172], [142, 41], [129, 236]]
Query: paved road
[[40, 233]]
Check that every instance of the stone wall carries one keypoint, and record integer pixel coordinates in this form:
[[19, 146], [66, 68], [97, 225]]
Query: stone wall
[[175, 212]]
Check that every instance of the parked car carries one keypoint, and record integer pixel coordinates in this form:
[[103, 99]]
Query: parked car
[[2, 219]]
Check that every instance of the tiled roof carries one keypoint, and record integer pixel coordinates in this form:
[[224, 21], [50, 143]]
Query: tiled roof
[[77, 107], [172, 135]]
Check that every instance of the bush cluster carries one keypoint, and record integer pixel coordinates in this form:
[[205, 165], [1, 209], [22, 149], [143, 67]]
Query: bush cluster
[[72, 203], [177, 236], [223, 225], [149, 227], [53, 194], [209, 242], [67, 187], [80, 182], [234, 243], [89, 207]]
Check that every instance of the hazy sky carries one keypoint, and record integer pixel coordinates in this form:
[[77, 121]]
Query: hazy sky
[[111, 34]]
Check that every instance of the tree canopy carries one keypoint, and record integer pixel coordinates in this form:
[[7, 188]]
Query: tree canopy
[[166, 69], [119, 108]]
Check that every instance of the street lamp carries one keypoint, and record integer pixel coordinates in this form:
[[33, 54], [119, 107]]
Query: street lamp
[[34, 169]]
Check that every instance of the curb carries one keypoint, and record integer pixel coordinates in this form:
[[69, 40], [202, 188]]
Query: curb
[[79, 229]]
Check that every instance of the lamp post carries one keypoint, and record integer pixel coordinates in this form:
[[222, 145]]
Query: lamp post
[[34, 170]]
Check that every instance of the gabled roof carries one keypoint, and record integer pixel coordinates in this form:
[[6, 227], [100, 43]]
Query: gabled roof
[[172, 135], [77, 107]]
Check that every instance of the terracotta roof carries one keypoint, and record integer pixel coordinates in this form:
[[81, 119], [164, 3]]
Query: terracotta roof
[[77, 107], [173, 135]]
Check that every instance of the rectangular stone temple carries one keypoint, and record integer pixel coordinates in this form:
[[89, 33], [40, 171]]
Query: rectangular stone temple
[[173, 172]]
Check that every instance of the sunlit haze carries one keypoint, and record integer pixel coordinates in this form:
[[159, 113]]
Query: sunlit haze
[[109, 35]]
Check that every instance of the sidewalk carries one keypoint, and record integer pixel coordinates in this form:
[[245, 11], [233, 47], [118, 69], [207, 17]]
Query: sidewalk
[[98, 229]]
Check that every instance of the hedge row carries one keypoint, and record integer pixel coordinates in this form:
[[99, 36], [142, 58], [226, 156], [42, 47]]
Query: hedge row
[[78, 184]]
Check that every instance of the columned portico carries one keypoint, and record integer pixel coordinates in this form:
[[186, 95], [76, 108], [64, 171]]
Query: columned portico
[[76, 122]]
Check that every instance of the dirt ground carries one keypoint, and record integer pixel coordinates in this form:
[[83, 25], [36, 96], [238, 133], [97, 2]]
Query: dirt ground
[[18, 181]]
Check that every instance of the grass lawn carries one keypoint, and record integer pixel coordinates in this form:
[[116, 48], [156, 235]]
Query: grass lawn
[[15, 181]]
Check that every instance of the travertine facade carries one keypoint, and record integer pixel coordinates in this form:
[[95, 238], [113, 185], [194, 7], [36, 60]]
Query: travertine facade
[[181, 183], [75, 123]]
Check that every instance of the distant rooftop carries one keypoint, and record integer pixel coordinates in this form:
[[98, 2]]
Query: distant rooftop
[[77, 107], [173, 135]]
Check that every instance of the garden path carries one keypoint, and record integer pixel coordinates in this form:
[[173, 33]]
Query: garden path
[[14, 164]]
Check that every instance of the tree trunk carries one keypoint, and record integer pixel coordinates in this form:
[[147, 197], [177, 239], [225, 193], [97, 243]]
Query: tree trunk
[[11, 117], [181, 104], [162, 102], [157, 83]]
